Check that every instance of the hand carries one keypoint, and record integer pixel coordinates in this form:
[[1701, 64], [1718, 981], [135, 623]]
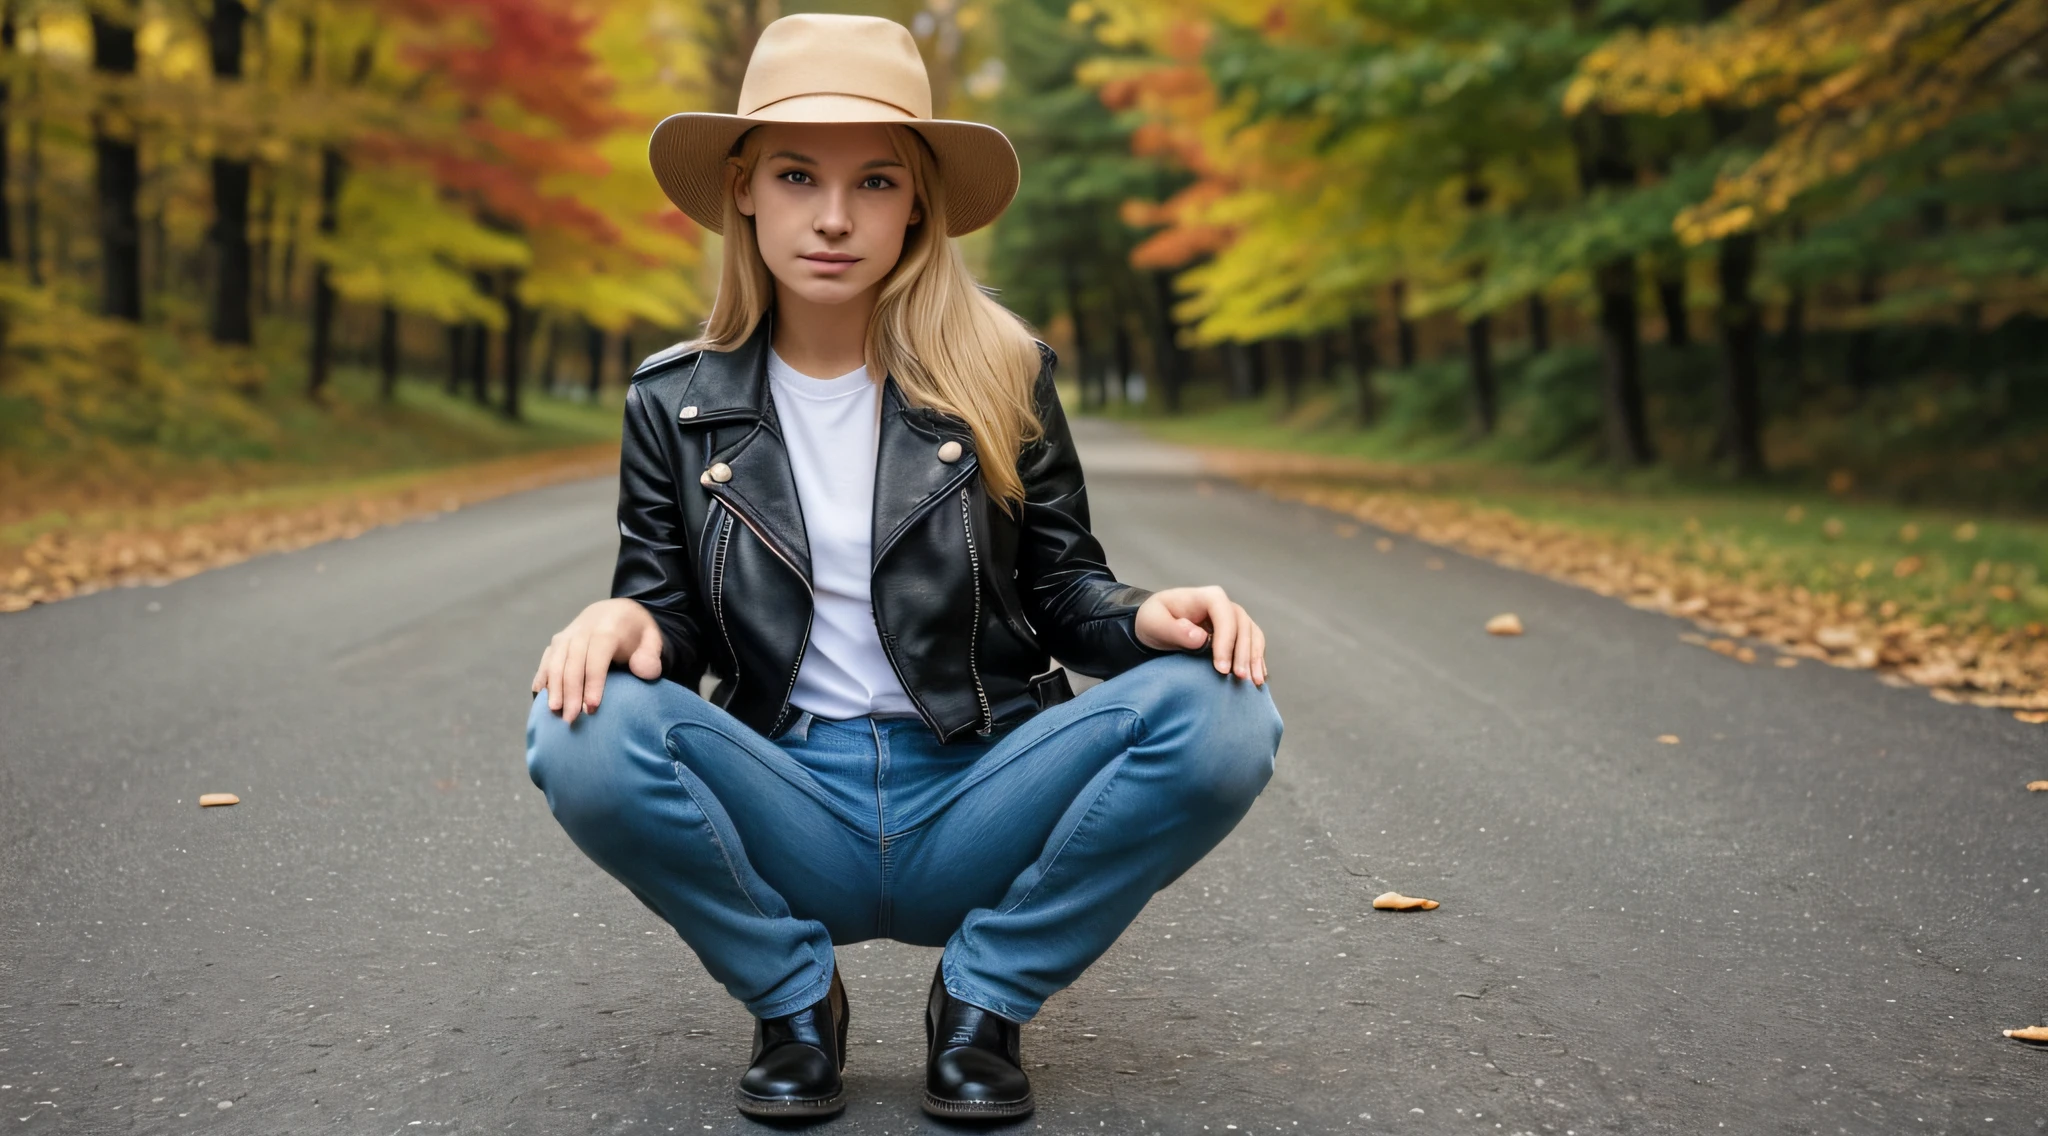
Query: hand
[[1180, 618], [573, 667]]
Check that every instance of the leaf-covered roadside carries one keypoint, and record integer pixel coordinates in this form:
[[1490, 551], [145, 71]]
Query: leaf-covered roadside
[[1961, 659], [151, 547]]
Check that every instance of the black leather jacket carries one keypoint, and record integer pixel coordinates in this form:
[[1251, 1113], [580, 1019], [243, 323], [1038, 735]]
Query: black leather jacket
[[969, 600]]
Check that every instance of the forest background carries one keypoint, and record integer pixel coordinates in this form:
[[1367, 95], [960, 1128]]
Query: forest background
[[1751, 294]]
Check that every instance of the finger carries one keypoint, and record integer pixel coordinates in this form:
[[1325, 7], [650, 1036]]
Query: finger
[[646, 660], [540, 673], [1224, 641], [1258, 652], [595, 664], [572, 676], [554, 676], [1241, 652]]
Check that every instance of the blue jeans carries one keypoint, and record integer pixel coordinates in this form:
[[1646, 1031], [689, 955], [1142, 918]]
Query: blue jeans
[[1024, 854]]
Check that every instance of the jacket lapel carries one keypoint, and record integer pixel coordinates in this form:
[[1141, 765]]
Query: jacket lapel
[[729, 389], [909, 473]]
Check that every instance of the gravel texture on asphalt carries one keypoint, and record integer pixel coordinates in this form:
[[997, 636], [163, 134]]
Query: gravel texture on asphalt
[[1814, 913]]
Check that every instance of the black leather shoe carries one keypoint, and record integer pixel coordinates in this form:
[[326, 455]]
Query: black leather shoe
[[971, 1068], [797, 1060]]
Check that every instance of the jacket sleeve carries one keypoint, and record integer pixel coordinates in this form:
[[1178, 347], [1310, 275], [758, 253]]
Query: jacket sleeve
[[654, 560], [1082, 614]]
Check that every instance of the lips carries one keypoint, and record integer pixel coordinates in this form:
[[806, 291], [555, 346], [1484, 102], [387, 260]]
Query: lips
[[830, 257]]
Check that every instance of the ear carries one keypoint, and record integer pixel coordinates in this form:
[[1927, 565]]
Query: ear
[[742, 189]]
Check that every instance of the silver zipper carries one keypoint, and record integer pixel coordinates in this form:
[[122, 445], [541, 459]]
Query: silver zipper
[[974, 629], [718, 595], [782, 714]]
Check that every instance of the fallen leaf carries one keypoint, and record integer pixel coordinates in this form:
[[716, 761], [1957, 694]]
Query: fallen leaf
[[209, 800], [1506, 623], [2037, 786], [1384, 544], [2032, 717], [1723, 647], [1395, 901], [2031, 1033], [1836, 638], [1668, 739], [1745, 654], [1787, 661]]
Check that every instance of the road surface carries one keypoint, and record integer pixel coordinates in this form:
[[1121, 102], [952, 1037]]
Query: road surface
[[1812, 915]]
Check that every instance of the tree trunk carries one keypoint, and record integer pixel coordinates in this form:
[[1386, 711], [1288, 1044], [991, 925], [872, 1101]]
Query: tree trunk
[[1092, 394], [6, 139], [332, 169], [1166, 358], [1363, 357], [1671, 300], [515, 343], [117, 170], [1861, 364], [550, 355], [1122, 342], [387, 353], [627, 362], [1479, 361], [1741, 331], [1539, 324], [1404, 328], [593, 346], [458, 338], [232, 318], [1293, 368], [1259, 357], [1628, 432]]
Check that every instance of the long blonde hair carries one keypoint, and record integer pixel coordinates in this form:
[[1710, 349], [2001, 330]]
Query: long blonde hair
[[936, 331]]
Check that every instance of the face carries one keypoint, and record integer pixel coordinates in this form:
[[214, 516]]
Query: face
[[830, 203]]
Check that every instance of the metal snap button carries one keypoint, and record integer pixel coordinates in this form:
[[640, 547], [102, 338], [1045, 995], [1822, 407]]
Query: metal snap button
[[949, 452], [704, 479], [688, 412], [720, 473]]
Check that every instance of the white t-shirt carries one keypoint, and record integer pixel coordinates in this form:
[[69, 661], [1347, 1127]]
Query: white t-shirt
[[831, 428]]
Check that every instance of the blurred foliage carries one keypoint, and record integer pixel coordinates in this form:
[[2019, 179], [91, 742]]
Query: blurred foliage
[[1850, 198], [473, 168]]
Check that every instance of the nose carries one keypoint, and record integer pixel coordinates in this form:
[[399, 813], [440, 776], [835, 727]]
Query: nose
[[833, 216]]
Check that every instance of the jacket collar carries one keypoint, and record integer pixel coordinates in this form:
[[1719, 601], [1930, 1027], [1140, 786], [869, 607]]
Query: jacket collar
[[731, 388]]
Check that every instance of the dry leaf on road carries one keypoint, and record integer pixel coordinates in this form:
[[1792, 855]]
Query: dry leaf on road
[[1395, 901], [2031, 1033], [2037, 786], [2032, 717], [1668, 739], [209, 800], [1506, 623]]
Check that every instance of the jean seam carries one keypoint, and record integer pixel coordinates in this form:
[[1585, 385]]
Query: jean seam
[[1116, 770], [677, 769], [831, 807], [980, 775], [983, 998], [881, 830]]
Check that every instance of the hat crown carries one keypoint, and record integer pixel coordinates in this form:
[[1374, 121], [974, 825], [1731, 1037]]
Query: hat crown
[[824, 53]]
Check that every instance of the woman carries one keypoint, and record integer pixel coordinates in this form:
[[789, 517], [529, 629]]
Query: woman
[[878, 574]]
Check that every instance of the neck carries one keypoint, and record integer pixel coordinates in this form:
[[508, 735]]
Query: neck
[[823, 341]]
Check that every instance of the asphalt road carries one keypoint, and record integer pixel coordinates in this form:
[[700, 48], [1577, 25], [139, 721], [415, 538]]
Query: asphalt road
[[1813, 915]]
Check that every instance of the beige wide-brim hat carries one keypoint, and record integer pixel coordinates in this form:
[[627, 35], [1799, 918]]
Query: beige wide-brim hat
[[822, 67]]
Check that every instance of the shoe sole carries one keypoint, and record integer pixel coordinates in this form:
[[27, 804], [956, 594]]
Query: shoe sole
[[976, 1110], [757, 1106]]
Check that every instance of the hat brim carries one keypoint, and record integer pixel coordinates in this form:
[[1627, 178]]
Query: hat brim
[[688, 151]]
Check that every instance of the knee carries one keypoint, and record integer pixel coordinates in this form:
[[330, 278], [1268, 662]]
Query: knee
[[585, 767], [1225, 731]]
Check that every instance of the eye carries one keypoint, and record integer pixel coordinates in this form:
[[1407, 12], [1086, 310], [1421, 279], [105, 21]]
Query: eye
[[793, 173], [886, 183]]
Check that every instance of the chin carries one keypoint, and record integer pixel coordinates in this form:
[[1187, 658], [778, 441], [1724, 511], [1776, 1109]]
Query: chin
[[825, 292]]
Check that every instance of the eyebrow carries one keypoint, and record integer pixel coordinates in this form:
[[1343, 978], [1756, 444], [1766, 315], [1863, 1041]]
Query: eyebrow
[[878, 163]]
